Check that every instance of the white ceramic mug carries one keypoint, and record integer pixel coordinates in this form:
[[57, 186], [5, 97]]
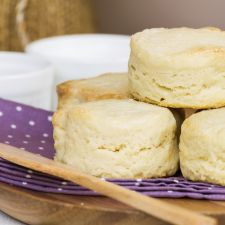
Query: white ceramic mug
[[26, 79], [83, 55]]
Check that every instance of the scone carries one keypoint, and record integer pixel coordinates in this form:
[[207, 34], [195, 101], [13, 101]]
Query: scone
[[179, 67], [202, 146], [109, 85], [105, 86], [117, 139]]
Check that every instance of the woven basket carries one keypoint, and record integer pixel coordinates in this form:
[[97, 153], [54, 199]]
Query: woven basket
[[22, 21]]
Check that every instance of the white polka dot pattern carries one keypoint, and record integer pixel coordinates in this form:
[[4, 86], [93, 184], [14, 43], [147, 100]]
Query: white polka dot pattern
[[13, 126], [29, 171], [45, 135], [49, 118], [28, 176], [31, 123], [23, 128], [18, 108]]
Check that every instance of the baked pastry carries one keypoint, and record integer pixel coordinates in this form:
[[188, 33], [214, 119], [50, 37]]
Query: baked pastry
[[202, 146], [109, 85], [179, 67], [105, 86], [117, 139]]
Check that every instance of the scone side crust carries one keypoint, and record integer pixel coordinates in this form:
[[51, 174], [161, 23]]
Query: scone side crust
[[202, 147], [198, 105], [147, 87], [58, 122], [85, 131]]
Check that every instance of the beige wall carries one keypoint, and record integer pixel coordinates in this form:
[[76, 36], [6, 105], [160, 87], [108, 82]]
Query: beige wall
[[130, 16]]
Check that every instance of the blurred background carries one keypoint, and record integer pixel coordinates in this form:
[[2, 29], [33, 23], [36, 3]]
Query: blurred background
[[22, 21], [130, 16]]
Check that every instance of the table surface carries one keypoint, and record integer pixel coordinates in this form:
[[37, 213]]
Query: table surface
[[6, 220]]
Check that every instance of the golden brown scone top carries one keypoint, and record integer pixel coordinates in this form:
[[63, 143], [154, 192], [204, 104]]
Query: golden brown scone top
[[106, 86]]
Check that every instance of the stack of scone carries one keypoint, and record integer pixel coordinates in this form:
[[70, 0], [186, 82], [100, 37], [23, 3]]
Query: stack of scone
[[100, 130]]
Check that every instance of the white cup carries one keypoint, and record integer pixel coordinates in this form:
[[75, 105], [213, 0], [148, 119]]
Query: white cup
[[84, 55], [26, 79]]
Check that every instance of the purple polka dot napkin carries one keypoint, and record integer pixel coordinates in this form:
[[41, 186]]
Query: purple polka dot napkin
[[30, 128]]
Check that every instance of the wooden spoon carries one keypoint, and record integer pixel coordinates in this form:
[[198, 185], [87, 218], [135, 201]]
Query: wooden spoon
[[151, 206]]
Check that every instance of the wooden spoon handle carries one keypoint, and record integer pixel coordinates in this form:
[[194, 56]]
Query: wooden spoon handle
[[151, 206]]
